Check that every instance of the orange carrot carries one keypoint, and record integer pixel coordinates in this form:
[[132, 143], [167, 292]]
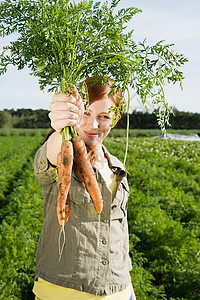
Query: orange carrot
[[65, 162], [87, 172], [67, 208]]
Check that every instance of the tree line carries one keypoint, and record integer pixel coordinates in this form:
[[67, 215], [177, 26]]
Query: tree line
[[145, 120], [29, 118]]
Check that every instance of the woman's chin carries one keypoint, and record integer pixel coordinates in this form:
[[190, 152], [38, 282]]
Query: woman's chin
[[92, 141]]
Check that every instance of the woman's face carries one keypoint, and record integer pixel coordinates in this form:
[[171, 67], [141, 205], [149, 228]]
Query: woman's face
[[96, 123]]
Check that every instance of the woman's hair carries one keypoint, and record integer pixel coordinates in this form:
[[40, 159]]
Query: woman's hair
[[102, 88]]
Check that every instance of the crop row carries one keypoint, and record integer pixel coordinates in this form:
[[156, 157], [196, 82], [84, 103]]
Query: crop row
[[38, 132], [19, 231], [13, 147], [164, 216], [14, 155], [114, 133]]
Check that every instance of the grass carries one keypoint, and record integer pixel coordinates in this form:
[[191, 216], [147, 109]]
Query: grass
[[113, 133], [24, 131]]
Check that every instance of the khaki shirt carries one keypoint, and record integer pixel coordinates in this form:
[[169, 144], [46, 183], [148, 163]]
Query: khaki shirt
[[95, 257]]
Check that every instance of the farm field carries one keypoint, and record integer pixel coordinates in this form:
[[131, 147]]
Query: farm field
[[115, 133], [163, 215]]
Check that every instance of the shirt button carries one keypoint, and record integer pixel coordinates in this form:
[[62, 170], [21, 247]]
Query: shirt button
[[104, 241], [106, 221], [114, 207], [104, 262]]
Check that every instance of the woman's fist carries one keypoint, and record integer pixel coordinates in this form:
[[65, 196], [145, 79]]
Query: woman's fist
[[66, 110]]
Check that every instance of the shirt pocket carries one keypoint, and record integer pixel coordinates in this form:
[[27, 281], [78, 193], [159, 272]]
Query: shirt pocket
[[78, 192], [81, 203]]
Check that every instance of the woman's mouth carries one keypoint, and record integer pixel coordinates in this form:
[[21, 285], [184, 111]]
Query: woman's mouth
[[91, 134]]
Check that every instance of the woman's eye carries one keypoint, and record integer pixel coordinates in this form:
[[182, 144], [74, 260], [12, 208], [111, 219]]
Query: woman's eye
[[105, 117]]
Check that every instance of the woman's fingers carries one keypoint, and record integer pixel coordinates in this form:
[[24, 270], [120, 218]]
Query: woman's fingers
[[66, 109], [73, 91], [61, 115], [63, 106], [58, 125], [80, 105], [62, 118], [63, 97]]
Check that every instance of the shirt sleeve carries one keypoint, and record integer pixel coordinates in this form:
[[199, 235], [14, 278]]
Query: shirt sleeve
[[44, 171]]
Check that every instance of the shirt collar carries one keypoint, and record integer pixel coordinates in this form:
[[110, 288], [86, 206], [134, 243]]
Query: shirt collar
[[116, 166]]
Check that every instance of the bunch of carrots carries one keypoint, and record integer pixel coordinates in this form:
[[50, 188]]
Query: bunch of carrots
[[73, 149]]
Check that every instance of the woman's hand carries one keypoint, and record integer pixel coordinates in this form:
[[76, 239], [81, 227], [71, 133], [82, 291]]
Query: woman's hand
[[66, 110]]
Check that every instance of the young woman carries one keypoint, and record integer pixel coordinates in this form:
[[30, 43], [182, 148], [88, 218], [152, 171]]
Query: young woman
[[95, 261]]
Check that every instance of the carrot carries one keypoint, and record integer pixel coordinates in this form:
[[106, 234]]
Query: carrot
[[87, 172], [65, 162], [67, 208]]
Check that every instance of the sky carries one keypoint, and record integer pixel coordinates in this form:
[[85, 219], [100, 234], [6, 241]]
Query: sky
[[176, 22]]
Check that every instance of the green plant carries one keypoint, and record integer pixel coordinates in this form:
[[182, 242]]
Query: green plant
[[64, 42], [163, 216], [20, 217]]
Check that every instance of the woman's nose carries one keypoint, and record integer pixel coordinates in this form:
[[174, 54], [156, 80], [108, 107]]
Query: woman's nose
[[93, 123]]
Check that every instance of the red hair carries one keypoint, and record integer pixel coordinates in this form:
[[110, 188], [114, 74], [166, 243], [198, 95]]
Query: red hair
[[102, 89]]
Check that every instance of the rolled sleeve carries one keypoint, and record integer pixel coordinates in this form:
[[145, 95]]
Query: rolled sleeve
[[44, 172]]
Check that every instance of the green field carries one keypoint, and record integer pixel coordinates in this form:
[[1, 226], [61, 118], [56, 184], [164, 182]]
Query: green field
[[163, 215], [115, 133]]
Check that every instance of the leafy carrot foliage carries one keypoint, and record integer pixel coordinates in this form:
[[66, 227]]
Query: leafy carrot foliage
[[64, 42]]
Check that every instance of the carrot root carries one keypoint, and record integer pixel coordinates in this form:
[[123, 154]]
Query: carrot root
[[65, 162], [60, 249], [87, 173], [77, 150]]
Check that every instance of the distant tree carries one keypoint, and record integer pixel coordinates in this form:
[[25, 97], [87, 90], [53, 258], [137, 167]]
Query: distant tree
[[145, 120], [185, 120], [28, 118], [5, 119]]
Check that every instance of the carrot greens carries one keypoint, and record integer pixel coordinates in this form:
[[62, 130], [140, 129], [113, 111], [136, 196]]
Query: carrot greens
[[63, 42]]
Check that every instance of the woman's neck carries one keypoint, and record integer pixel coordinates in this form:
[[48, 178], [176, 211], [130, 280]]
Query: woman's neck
[[100, 161], [96, 154], [97, 151]]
